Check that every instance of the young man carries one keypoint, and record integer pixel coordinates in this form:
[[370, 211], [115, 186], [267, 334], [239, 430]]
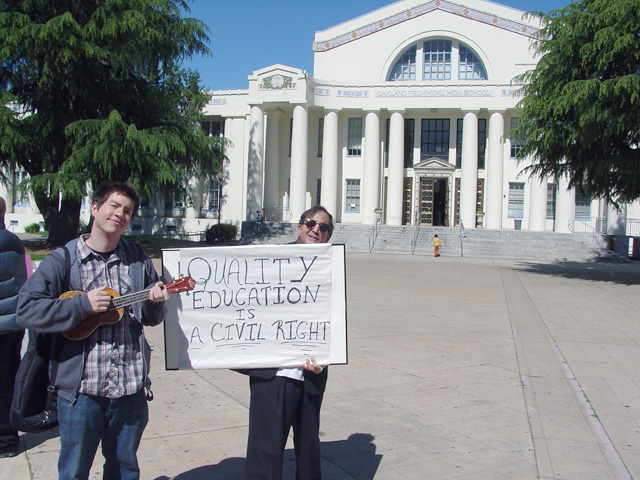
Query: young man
[[13, 273], [282, 398], [101, 380]]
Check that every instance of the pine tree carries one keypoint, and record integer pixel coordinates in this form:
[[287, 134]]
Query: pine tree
[[93, 90], [581, 106]]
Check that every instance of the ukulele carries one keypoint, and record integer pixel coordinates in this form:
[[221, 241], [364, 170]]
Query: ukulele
[[116, 308]]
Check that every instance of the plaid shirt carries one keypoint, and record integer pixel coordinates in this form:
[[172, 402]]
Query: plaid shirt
[[114, 366]]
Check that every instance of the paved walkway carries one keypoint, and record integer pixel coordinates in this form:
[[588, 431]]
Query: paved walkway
[[459, 368]]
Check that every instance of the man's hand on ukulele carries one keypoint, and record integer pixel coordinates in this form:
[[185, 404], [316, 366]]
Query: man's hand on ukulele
[[158, 293], [99, 299]]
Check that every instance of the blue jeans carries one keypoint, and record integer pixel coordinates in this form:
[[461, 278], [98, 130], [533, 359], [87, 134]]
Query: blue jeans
[[119, 423]]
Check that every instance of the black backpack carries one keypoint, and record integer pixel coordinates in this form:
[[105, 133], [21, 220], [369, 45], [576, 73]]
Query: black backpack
[[33, 406]]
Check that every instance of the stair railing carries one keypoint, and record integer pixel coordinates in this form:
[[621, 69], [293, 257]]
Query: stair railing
[[374, 232], [416, 235]]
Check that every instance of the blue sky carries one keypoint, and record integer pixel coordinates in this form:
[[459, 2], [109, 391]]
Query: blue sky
[[247, 35]]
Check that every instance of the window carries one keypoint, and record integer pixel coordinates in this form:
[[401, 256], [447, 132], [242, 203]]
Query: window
[[405, 67], [459, 143], [318, 190], [516, 200], [437, 60], [213, 128], [352, 197], [469, 65], [435, 138], [517, 142], [583, 203], [173, 201], [354, 140], [290, 134], [320, 137], [409, 135], [482, 143], [214, 193], [19, 195], [551, 200]]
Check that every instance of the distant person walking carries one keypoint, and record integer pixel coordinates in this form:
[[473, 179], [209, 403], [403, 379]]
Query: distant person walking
[[436, 245]]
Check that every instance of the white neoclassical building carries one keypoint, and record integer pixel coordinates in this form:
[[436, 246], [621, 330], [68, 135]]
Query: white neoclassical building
[[405, 119]]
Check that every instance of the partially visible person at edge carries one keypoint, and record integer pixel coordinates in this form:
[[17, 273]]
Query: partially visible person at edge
[[102, 381], [436, 245], [282, 398], [13, 273]]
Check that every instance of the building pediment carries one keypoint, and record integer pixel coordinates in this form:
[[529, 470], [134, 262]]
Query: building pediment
[[400, 12], [434, 165], [278, 77]]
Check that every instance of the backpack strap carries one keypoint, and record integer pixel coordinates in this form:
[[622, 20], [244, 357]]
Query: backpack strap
[[55, 345]]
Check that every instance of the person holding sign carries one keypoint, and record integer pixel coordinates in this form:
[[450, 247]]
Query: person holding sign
[[282, 398], [101, 379]]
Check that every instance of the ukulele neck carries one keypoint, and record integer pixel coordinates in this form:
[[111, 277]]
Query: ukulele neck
[[129, 299]]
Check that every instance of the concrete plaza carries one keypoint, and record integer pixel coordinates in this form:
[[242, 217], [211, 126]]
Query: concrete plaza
[[459, 368]]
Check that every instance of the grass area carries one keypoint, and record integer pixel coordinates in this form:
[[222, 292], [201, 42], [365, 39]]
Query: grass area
[[152, 245]]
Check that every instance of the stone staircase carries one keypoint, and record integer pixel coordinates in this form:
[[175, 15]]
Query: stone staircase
[[475, 242]]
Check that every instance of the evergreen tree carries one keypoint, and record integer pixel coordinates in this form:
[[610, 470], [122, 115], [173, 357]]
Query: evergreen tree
[[93, 90], [581, 107]]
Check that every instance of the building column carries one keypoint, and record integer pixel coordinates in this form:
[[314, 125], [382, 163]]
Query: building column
[[396, 169], [617, 228], [272, 161], [537, 204], [255, 164], [565, 205], [329, 186], [495, 171], [299, 142], [469, 174], [371, 174]]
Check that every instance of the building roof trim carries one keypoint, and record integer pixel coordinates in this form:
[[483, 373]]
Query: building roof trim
[[405, 15]]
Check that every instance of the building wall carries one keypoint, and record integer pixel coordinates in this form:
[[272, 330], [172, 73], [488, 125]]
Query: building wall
[[271, 171]]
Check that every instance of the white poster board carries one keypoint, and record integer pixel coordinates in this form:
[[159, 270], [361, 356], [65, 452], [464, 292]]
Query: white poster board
[[256, 306]]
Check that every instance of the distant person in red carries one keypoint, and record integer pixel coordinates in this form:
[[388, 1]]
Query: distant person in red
[[436, 245]]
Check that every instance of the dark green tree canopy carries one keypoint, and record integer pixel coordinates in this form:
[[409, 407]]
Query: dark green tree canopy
[[93, 90], [581, 107]]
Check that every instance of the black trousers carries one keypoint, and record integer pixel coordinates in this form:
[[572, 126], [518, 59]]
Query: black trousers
[[277, 404], [10, 345]]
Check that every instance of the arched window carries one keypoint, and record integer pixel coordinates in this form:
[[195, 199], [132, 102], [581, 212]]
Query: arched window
[[469, 66], [405, 67], [437, 58]]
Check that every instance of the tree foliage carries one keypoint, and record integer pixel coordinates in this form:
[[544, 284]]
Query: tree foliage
[[94, 90], [580, 114]]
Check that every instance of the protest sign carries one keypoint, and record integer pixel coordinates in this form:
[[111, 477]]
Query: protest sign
[[256, 306]]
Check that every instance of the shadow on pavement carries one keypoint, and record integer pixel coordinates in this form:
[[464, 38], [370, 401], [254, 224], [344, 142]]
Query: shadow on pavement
[[31, 440], [354, 458], [627, 273]]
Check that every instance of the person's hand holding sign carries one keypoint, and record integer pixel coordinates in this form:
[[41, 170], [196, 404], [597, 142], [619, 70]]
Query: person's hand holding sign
[[312, 365]]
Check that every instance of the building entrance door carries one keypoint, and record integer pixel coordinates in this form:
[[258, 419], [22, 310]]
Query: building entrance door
[[434, 203]]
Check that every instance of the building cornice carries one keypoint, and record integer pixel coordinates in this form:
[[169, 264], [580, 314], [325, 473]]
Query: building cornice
[[520, 28]]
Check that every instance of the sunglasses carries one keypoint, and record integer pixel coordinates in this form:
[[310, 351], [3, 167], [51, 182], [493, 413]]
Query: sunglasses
[[311, 224]]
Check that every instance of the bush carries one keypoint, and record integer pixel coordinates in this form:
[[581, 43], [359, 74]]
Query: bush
[[224, 232], [33, 228]]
